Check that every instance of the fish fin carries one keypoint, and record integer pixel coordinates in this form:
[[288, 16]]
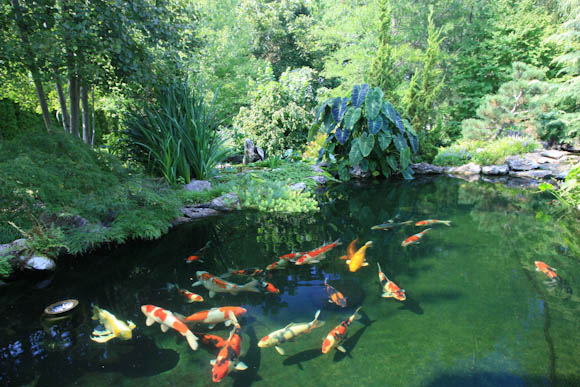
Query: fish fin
[[211, 326], [365, 264], [330, 301], [212, 362], [357, 315], [233, 319], [149, 321], [341, 349], [191, 340], [196, 283], [289, 325], [348, 261], [241, 366], [164, 328], [180, 317], [344, 257], [387, 295], [280, 350], [227, 323], [445, 222], [252, 286], [211, 294]]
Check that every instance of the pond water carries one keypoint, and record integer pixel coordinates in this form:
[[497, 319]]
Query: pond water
[[476, 314]]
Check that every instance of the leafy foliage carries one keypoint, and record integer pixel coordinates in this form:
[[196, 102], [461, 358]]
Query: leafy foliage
[[279, 115], [178, 133], [569, 192], [372, 136]]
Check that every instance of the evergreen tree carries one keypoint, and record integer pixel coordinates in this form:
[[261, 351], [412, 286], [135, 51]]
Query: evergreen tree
[[382, 71]]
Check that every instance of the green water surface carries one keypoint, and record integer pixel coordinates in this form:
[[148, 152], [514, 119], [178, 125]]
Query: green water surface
[[476, 314]]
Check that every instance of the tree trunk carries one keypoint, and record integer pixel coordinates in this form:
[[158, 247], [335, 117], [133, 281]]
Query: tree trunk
[[42, 99], [86, 114], [93, 117], [74, 95], [62, 102]]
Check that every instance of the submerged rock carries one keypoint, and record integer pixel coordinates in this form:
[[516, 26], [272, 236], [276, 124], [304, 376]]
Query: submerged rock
[[198, 185], [495, 170]]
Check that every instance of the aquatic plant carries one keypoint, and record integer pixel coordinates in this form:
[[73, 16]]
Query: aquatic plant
[[568, 193], [178, 133], [365, 131]]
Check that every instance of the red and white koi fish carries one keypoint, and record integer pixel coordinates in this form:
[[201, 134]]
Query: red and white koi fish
[[390, 289], [168, 320], [318, 254], [547, 270], [288, 333], [250, 272], [268, 287], [432, 221], [337, 335], [414, 238], [189, 296], [212, 341], [215, 316], [217, 285], [228, 358], [334, 296], [284, 260], [196, 257]]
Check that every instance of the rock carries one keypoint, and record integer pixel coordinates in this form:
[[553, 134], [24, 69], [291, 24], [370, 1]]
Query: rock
[[13, 247], [532, 174], [39, 262], [319, 179], [250, 154], [562, 175], [260, 153], [519, 163], [196, 213], [198, 185], [180, 220], [427, 169], [226, 202], [358, 173], [300, 187], [495, 170], [466, 170], [316, 168], [322, 164], [553, 154]]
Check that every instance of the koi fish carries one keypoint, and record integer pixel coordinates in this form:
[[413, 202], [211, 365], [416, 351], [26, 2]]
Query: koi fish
[[433, 221], [270, 288], [114, 328], [283, 261], [358, 259], [217, 285], [337, 335], [334, 296], [547, 270], [414, 238], [289, 332], [189, 296], [389, 225], [350, 250], [250, 272], [215, 316], [318, 254], [198, 254], [227, 359], [168, 320], [210, 340], [390, 289]]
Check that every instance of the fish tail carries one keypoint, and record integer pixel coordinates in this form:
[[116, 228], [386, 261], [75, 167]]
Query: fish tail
[[96, 311], [407, 222], [344, 257], [445, 222], [234, 320], [316, 323], [427, 229], [379, 267], [252, 286], [191, 340], [356, 315], [337, 242]]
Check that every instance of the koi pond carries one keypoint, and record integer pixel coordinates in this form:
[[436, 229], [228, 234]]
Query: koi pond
[[476, 312]]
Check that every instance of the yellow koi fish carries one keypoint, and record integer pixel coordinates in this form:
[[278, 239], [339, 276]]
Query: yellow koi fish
[[114, 328], [358, 259]]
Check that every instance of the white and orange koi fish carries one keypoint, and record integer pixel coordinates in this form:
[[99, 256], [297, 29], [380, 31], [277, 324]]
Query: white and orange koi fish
[[189, 296], [168, 320], [228, 358], [284, 260], [337, 335], [390, 289], [317, 255], [414, 238], [217, 285], [215, 316], [433, 221]]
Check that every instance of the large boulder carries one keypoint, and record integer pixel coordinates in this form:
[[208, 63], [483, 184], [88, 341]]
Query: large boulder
[[519, 163], [198, 185], [427, 169], [251, 152], [466, 170], [533, 174], [553, 154], [195, 213], [495, 170], [41, 263], [226, 202]]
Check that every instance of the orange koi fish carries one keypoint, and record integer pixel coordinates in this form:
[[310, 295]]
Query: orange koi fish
[[414, 238], [168, 320], [337, 335], [350, 250], [210, 340], [268, 287], [390, 289], [283, 261], [432, 221], [547, 270], [358, 259], [189, 296], [215, 316], [334, 296], [227, 359], [218, 285], [196, 257], [250, 272], [318, 254]]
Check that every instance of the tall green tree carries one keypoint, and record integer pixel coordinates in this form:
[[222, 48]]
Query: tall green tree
[[383, 67]]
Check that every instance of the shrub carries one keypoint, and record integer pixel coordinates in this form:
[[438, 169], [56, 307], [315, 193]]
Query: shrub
[[452, 156], [366, 131], [178, 133]]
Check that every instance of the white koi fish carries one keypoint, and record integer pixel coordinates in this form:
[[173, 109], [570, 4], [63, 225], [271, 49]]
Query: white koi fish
[[289, 332], [217, 285], [168, 320]]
